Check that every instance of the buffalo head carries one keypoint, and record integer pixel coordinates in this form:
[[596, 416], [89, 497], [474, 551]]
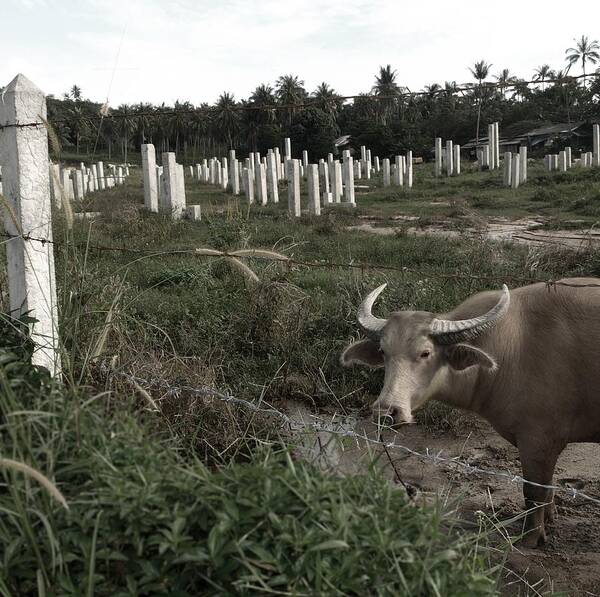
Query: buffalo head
[[420, 353]]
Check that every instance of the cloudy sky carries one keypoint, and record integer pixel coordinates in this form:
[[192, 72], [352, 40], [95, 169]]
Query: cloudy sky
[[195, 49]]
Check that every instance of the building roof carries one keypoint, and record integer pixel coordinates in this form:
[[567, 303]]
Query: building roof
[[341, 141]]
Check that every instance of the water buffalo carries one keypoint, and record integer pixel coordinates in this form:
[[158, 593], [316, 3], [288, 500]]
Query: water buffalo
[[526, 360]]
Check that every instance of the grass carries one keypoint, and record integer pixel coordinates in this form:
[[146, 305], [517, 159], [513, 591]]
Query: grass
[[154, 479], [147, 517]]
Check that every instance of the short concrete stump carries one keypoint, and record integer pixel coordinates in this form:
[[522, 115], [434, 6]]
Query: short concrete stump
[[193, 213]]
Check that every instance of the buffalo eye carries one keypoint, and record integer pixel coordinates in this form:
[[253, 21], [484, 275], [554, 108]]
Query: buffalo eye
[[425, 354]]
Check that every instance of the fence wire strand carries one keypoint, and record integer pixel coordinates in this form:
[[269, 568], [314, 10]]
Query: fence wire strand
[[319, 425]]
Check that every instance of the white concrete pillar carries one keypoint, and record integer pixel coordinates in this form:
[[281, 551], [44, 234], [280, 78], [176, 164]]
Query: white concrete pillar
[[120, 177], [96, 183], [261, 184], [191, 171], [515, 175], [83, 171], [438, 156], [399, 172], [304, 158], [181, 189], [409, 169], [348, 179], [386, 172], [171, 200], [456, 161], [293, 184], [312, 181], [492, 147], [101, 178], [486, 156], [149, 177], [562, 161], [248, 178], [449, 158], [66, 183], [77, 182], [507, 169], [523, 164], [193, 213], [339, 181], [555, 161], [497, 142], [324, 182], [159, 186], [233, 178], [287, 153], [596, 145], [272, 179], [377, 167], [569, 157], [26, 188]]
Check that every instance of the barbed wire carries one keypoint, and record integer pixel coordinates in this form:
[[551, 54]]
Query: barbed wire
[[319, 425], [291, 261], [205, 111]]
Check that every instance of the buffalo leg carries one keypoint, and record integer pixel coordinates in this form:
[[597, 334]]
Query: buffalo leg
[[538, 467]]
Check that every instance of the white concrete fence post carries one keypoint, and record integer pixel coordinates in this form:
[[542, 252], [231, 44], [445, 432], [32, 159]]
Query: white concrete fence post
[[523, 164], [26, 188], [596, 145], [409, 169], [293, 182], [456, 160], [507, 169], [438, 156], [449, 158], [312, 181], [348, 179], [515, 176], [170, 197], [149, 177], [386, 172]]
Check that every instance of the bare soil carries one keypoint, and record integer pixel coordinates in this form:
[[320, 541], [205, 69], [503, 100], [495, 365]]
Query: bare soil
[[569, 563], [498, 229]]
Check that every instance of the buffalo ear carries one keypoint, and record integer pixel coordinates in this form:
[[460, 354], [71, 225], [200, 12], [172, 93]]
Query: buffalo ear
[[364, 352], [461, 356]]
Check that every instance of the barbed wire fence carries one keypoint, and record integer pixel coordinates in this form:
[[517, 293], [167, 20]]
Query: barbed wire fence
[[340, 430], [262, 255]]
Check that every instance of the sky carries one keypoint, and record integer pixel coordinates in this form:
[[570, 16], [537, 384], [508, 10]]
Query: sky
[[157, 51]]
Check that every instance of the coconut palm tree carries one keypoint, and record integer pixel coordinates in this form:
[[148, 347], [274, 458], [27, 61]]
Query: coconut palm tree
[[542, 73], [289, 90], [328, 100], [386, 86], [584, 51], [505, 79], [480, 71], [226, 117]]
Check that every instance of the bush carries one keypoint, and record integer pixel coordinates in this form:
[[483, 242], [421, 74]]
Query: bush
[[145, 520]]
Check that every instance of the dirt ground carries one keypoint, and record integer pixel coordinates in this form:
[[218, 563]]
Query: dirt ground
[[569, 563], [500, 229]]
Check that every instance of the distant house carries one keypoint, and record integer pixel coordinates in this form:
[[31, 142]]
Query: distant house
[[342, 143], [576, 134]]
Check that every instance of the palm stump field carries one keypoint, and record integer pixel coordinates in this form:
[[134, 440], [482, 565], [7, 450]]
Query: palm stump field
[[207, 440]]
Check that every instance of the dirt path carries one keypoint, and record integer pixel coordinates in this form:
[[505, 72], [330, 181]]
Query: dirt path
[[570, 562], [499, 229]]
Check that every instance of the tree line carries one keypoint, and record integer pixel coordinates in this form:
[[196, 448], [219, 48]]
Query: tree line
[[388, 118]]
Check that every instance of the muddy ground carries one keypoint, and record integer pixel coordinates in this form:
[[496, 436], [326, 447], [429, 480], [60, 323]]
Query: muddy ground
[[569, 563]]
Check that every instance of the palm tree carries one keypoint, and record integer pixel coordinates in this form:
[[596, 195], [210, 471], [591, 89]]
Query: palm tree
[[584, 51], [505, 79], [328, 100], [227, 117], [542, 73], [480, 71], [263, 95], [386, 86], [289, 90], [75, 92]]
